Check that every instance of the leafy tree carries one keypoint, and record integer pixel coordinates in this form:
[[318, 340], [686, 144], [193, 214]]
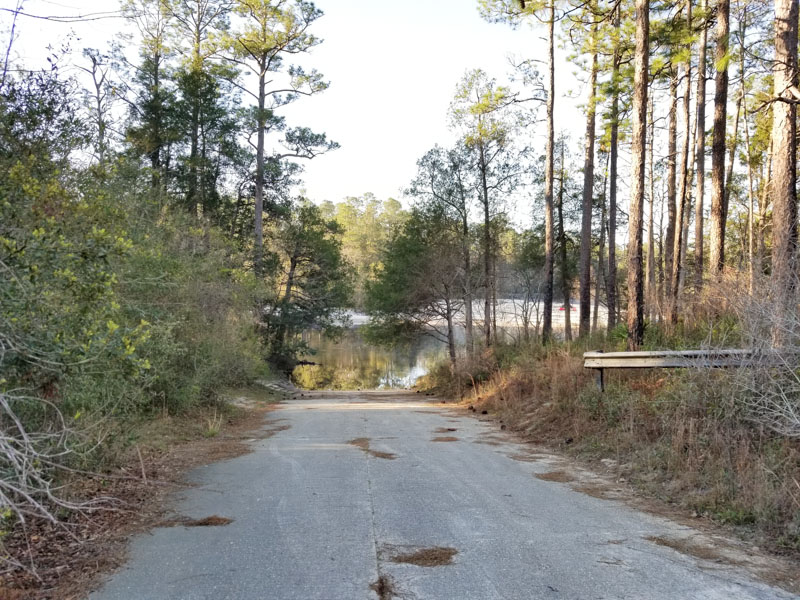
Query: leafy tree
[[515, 12], [444, 183], [416, 292], [59, 310], [204, 116], [482, 112], [269, 31], [367, 226], [149, 133], [313, 284]]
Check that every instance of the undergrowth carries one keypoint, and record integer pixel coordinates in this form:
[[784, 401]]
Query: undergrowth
[[683, 436]]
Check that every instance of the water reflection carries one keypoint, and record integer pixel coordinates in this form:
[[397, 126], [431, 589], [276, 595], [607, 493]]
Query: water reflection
[[350, 363]]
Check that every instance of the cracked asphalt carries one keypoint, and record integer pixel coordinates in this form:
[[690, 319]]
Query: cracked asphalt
[[316, 517]]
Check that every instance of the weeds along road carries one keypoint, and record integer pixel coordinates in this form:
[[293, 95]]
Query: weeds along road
[[382, 495]]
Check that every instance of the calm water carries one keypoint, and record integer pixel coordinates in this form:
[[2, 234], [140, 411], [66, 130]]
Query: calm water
[[350, 363]]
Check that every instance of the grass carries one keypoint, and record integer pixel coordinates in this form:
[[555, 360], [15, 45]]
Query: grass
[[678, 435], [214, 423]]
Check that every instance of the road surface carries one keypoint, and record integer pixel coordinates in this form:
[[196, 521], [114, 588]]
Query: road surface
[[383, 495]]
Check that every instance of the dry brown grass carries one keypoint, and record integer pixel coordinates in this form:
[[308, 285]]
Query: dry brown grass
[[88, 545], [677, 435]]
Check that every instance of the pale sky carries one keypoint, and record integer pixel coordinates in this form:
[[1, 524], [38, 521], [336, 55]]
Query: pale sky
[[393, 68]]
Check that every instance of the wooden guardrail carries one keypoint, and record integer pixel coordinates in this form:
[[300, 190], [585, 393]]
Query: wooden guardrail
[[667, 359]]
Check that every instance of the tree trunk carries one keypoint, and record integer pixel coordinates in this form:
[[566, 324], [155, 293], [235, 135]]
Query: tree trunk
[[156, 141], [451, 338], [192, 200], [588, 189], [687, 214], [638, 159], [195, 74], [683, 192], [700, 152], [259, 209], [763, 206], [487, 250], [672, 174], [562, 241], [494, 292], [718, 209], [611, 284], [547, 321], [468, 334], [784, 166], [732, 151], [650, 289], [600, 274], [751, 269]]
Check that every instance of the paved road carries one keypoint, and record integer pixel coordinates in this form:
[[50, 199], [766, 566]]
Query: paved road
[[323, 508]]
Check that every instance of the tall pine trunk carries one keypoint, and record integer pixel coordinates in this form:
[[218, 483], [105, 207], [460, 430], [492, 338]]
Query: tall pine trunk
[[259, 209], [650, 286], [784, 167], [751, 269], [562, 246], [719, 211], [700, 151], [547, 321], [672, 176], [488, 273], [601, 251], [588, 189], [467, 287], [611, 283], [683, 192], [638, 158], [451, 337]]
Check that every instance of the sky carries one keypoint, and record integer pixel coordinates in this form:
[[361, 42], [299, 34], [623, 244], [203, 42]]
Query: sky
[[393, 67]]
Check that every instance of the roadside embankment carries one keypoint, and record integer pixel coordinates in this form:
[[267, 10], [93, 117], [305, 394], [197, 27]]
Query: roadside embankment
[[686, 437], [63, 559]]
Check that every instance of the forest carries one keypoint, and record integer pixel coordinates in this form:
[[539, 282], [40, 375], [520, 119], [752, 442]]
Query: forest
[[156, 247]]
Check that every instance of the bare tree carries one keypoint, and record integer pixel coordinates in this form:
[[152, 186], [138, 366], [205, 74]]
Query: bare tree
[[100, 97]]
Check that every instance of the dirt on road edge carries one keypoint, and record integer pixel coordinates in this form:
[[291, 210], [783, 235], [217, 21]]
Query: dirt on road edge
[[71, 560]]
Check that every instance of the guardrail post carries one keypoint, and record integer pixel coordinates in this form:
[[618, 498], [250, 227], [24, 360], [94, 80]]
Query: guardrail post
[[601, 380], [601, 383]]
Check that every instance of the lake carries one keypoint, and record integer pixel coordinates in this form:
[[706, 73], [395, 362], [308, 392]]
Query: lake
[[350, 363]]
